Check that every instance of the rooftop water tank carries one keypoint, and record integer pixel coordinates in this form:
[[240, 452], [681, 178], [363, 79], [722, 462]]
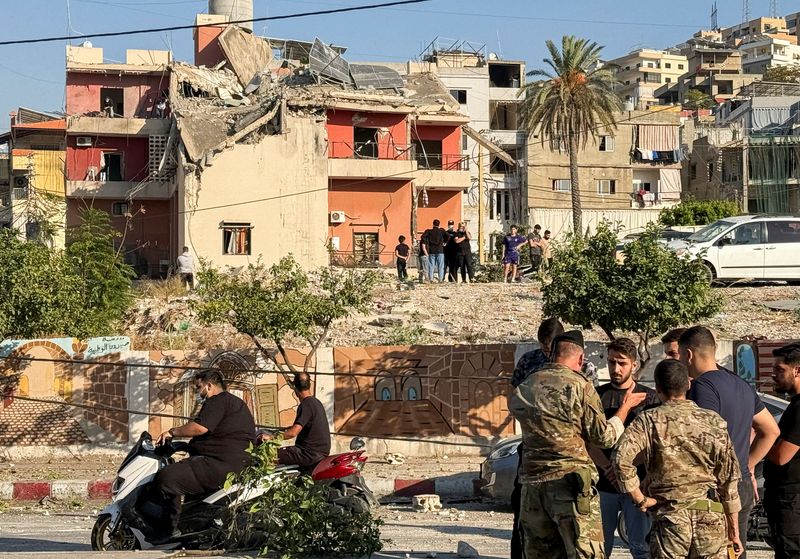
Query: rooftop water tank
[[235, 10]]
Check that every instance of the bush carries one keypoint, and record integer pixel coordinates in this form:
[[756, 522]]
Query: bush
[[697, 212], [651, 291]]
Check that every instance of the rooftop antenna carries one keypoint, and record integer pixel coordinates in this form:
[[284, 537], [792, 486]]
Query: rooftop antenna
[[714, 17], [499, 48], [774, 8], [745, 11]]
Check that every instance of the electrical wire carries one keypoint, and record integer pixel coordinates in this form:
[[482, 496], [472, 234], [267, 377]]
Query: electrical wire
[[198, 26]]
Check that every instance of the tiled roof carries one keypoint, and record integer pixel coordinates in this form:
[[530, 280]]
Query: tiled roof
[[57, 124]]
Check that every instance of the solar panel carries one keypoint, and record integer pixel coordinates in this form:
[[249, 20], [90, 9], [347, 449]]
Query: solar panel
[[368, 76], [326, 62]]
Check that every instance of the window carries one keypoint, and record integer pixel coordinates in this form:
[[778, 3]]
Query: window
[[236, 238], [667, 65], [680, 66], [459, 95], [562, 185], [111, 169], [119, 208], [710, 170], [366, 248], [428, 153], [747, 234], [693, 171], [606, 143], [112, 101], [464, 145], [783, 231], [606, 186], [504, 75], [501, 205], [667, 80], [503, 115], [365, 143]]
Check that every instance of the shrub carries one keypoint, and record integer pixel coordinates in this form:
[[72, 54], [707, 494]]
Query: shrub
[[697, 212]]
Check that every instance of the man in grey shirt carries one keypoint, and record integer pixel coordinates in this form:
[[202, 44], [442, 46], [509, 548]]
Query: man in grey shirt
[[186, 268]]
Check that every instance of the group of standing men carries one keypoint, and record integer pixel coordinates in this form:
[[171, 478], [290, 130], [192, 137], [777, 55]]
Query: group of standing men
[[677, 462], [538, 244], [443, 253]]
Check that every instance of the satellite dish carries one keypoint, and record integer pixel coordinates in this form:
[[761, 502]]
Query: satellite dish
[[86, 44], [492, 56]]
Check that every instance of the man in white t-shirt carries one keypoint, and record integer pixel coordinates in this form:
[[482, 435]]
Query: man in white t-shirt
[[186, 268]]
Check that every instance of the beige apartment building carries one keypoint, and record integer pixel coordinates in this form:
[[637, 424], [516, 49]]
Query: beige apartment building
[[759, 26], [643, 71], [635, 166]]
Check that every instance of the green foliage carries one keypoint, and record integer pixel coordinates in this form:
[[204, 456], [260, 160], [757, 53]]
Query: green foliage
[[281, 302], [402, 335], [293, 517], [647, 290], [697, 212], [79, 292], [696, 99], [786, 74]]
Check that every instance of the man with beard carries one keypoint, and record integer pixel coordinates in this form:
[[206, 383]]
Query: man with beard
[[782, 467], [623, 362]]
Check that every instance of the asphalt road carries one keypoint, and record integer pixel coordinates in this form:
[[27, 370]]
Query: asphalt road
[[33, 535]]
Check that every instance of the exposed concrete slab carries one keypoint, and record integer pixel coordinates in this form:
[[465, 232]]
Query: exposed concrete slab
[[783, 305], [247, 55], [95, 125]]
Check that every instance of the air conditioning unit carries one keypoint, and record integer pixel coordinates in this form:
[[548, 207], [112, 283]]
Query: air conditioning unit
[[338, 217], [84, 141], [21, 181]]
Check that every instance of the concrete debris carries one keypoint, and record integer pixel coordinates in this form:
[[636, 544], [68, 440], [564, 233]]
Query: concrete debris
[[439, 328], [783, 305], [426, 503], [388, 320], [466, 550], [247, 54], [395, 459]]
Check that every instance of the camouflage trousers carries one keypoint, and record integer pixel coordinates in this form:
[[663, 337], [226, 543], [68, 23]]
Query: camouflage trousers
[[689, 533], [551, 526]]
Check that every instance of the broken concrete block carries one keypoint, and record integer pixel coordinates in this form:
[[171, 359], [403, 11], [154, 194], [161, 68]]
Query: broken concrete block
[[439, 328], [387, 320], [466, 550], [783, 305], [426, 503]]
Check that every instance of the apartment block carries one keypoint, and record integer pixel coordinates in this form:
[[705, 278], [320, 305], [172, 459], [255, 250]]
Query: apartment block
[[644, 71], [769, 51], [117, 145]]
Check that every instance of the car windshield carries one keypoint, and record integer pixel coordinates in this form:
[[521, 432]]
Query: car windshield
[[709, 232]]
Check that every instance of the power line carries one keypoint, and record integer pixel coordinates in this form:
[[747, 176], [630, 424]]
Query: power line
[[196, 26]]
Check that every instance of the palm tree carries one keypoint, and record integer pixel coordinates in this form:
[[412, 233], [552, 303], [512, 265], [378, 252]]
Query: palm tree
[[574, 97]]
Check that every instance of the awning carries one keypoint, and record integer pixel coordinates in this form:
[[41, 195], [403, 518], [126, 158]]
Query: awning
[[493, 148], [670, 185], [658, 137]]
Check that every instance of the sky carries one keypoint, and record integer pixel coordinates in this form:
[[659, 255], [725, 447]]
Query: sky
[[33, 75]]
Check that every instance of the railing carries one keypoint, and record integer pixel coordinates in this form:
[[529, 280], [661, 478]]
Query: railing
[[371, 150], [19, 193], [442, 162]]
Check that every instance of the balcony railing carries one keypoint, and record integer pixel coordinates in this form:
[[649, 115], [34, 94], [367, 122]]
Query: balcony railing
[[371, 150], [442, 162], [19, 193]]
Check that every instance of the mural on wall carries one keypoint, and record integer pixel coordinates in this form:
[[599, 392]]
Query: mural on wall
[[744, 360], [43, 369], [423, 391]]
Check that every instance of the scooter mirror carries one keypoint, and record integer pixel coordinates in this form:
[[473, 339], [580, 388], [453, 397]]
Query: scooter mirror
[[357, 443]]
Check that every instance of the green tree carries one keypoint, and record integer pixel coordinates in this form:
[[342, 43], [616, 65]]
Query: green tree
[[697, 212], [646, 289], [104, 280], [785, 74], [276, 304], [696, 99], [574, 97]]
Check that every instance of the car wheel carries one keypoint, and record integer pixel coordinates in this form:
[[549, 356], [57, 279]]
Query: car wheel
[[622, 528], [711, 274]]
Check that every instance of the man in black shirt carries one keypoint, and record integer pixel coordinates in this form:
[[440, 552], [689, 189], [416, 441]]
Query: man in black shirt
[[782, 467], [221, 434], [435, 239], [623, 361], [310, 428], [462, 240], [450, 253]]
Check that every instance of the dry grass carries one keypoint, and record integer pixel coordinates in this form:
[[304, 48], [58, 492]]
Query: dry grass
[[161, 289]]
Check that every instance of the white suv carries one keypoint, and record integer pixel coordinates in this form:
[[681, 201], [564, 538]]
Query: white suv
[[747, 247]]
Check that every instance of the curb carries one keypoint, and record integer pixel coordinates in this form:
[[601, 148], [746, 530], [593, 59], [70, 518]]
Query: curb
[[462, 485]]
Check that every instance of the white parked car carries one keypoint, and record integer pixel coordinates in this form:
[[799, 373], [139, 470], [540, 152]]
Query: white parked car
[[747, 247]]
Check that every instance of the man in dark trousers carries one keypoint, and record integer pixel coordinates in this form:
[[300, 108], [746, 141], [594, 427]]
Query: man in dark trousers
[[310, 428], [782, 468], [435, 239], [221, 433], [528, 364], [736, 401], [451, 253]]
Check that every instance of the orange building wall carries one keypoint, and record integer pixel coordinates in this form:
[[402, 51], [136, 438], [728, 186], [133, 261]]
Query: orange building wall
[[340, 132], [450, 136], [443, 205], [382, 207], [207, 51]]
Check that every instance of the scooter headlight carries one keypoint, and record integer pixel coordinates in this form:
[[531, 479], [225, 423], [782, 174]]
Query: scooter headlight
[[148, 445]]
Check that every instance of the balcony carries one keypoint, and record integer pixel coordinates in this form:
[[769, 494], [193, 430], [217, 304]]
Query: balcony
[[371, 160], [504, 94], [120, 190], [442, 171], [507, 137], [105, 126]]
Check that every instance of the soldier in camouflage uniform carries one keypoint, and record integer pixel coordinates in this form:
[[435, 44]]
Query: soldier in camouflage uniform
[[688, 456], [560, 412]]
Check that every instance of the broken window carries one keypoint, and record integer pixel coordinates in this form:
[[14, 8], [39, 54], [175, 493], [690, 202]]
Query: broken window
[[459, 95], [188, 90], [365, 248], [606, 143], [428, 153], [605, 186], [119, 208], [111, 167], [562, 185], [236, 238], [365, 143], [500, 167], [112, 101], [503, 115], [504, 75], [501, 205]]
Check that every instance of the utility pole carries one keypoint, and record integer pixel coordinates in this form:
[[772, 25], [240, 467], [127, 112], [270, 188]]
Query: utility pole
[[774, 8], [481, 255], [745, 176], [745, 11]]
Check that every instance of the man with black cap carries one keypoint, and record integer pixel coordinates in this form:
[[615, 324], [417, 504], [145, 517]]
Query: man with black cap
[[560, 412]]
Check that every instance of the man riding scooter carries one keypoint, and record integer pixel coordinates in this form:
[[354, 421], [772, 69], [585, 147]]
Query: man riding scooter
[[310, 428], [220, 436]]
